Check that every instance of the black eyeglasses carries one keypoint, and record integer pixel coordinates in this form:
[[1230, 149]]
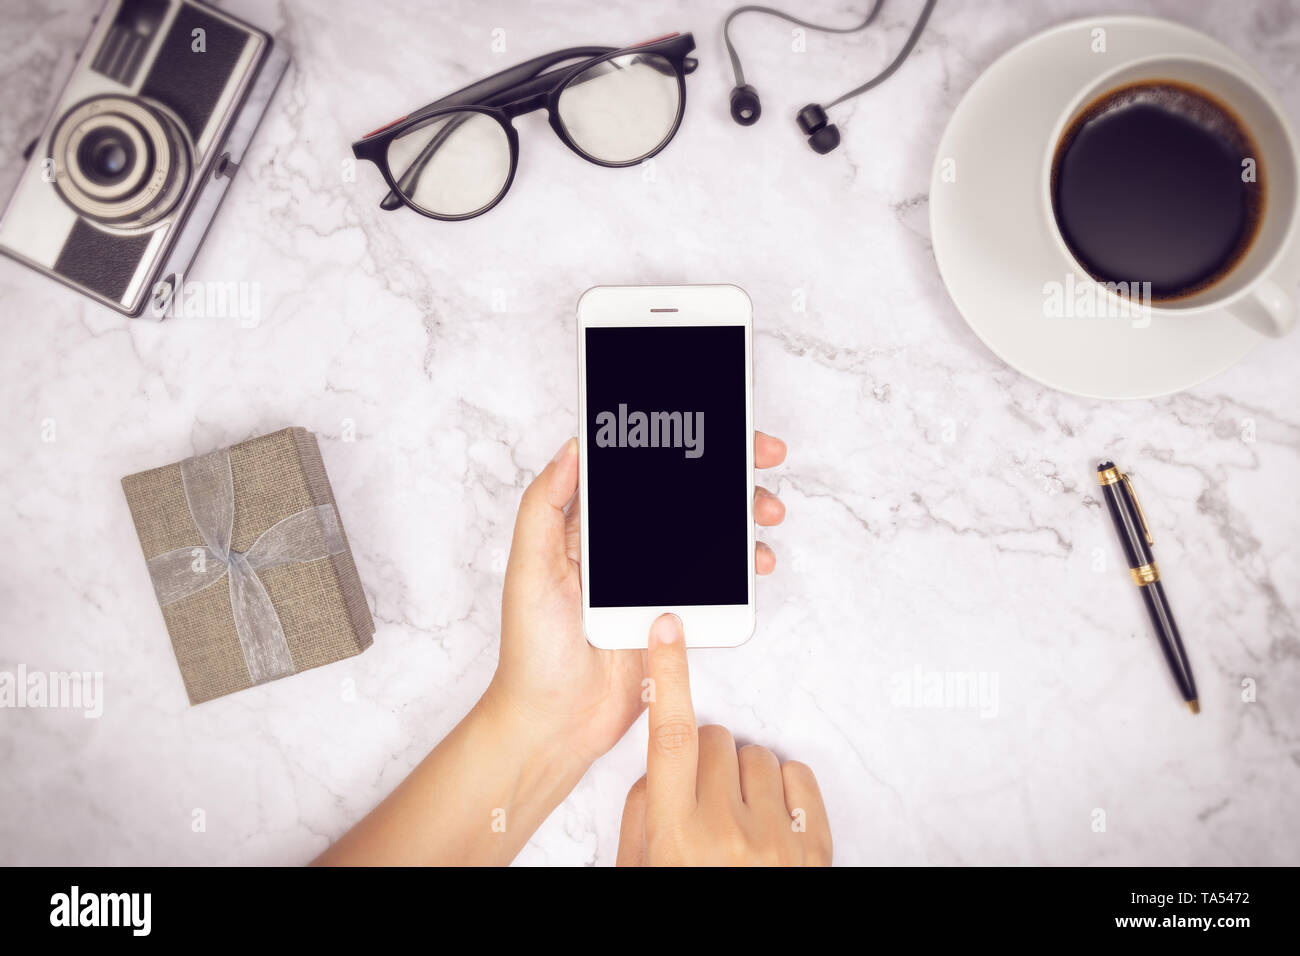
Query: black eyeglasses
[[455, 158]]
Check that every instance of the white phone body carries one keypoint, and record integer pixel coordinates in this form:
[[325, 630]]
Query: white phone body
[[647, 307]]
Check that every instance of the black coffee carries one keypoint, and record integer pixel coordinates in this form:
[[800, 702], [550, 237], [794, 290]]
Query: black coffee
[[1148, 185]]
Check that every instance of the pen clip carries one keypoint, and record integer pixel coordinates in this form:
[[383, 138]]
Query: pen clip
[[1146, 530]]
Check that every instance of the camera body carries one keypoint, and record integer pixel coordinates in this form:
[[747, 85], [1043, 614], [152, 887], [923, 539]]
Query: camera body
[[133, 163]]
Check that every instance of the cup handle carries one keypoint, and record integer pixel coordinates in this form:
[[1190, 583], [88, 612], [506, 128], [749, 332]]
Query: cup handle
[[1269, 309]]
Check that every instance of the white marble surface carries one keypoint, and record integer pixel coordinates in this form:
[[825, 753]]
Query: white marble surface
[[942, 508]]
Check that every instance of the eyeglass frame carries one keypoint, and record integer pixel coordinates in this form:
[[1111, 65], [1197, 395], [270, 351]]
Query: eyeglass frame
[[525, 88]]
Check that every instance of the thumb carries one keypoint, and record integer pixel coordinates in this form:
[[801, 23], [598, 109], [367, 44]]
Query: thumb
[[539, 527]]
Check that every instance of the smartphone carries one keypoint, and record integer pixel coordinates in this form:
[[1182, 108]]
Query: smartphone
[[665, 395]]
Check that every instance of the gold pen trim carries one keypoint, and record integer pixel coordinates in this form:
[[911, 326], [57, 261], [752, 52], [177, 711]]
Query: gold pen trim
[[1142, 515], [1113, 476], [1144, 574]]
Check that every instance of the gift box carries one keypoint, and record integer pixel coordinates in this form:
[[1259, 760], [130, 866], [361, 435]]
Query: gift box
[[250, 563]]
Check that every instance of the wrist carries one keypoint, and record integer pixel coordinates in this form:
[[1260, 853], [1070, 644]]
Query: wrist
[[545, 762]]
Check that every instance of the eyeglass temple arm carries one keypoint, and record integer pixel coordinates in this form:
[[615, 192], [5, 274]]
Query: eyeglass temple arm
[[489, 91]]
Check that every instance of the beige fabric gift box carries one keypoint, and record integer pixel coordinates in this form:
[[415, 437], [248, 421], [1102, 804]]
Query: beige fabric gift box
[[267, 587]]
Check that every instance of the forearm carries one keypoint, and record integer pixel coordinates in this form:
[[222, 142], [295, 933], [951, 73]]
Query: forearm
[[475, 800]]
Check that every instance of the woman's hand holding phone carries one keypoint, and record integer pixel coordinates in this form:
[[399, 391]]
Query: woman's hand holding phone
[[561, 691], [702, 802]]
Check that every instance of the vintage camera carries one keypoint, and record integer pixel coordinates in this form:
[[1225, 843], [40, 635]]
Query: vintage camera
[[124, 179]]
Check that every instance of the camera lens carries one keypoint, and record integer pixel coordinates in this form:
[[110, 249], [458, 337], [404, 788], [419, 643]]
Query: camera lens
[[106, 156], [110, 159], [122, 161]]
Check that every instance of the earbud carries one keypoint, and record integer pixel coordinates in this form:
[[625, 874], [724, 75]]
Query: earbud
[[822, 136], [745, 108]]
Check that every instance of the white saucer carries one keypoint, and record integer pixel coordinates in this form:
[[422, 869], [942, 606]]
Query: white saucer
[[993, 244]]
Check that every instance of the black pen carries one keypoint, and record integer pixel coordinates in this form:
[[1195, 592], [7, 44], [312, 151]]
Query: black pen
[[1135, 537]]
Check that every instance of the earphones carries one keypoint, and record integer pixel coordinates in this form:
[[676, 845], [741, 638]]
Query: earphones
[[823, 135]]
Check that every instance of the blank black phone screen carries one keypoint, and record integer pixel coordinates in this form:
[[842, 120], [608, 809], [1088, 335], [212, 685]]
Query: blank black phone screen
[[668, 508]]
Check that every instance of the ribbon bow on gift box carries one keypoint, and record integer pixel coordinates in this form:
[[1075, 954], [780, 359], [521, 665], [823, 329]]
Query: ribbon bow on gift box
[[308, 535]]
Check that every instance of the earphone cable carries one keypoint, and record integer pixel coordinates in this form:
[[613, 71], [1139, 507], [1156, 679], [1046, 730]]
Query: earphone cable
[[888, 71], [876, 80], [754, 8]]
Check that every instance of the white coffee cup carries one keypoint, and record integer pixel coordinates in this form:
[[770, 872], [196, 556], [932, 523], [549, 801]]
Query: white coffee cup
[[1258, 290]]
